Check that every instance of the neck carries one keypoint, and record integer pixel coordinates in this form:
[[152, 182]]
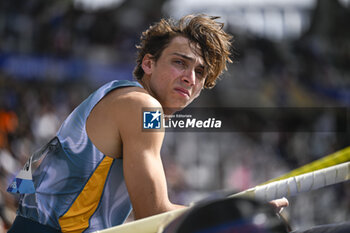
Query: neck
[[145, 84]]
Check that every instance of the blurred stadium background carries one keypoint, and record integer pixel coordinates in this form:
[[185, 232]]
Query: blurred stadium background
[[292, 53]]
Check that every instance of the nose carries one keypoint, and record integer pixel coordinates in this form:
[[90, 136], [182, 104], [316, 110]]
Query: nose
[[189, 77]]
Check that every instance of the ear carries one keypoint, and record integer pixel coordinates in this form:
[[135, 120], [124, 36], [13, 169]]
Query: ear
[[147, 64]]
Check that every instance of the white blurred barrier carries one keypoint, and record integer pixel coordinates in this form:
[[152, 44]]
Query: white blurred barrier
[[274, 190]]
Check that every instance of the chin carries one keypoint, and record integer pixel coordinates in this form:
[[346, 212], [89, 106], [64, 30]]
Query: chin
[[174, 109], [176, 106]]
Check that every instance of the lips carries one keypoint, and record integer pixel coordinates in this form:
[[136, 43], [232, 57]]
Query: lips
[[182, 91]]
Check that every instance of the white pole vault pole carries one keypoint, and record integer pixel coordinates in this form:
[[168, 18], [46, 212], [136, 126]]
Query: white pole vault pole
[[146, 225], [274, 190], [299, 184]]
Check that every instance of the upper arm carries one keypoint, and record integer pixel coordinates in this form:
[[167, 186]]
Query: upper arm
[[143, 170]]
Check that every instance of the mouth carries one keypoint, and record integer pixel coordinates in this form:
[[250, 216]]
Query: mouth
[[182, 91]]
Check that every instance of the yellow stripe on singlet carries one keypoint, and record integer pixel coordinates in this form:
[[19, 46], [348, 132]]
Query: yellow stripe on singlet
[[76, 219]]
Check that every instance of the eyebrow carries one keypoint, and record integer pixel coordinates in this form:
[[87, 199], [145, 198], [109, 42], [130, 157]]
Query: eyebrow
[[187, 58]]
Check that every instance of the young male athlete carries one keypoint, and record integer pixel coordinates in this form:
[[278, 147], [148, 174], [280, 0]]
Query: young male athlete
[[101, 162]]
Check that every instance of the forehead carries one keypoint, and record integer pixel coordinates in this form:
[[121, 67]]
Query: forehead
[[181, 45]]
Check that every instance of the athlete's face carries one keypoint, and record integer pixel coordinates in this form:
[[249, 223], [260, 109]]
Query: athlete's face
[[178, 76]]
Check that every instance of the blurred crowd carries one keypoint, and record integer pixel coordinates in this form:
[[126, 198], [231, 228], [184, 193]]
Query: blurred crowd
[[312, 71]]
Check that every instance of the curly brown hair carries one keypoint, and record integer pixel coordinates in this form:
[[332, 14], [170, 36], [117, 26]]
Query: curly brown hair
[[201, 29]]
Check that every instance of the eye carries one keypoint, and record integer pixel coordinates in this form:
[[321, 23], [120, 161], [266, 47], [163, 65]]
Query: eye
[[179, 62], [200, 73]]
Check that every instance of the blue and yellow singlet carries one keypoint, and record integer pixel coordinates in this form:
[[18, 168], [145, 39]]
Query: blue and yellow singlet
[[77, 187]]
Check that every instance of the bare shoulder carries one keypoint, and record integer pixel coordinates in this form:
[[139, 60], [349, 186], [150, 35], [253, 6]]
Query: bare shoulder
[[128, 105], [116, 119]]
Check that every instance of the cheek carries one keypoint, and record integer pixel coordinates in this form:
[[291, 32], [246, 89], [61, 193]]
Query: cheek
[[168, 74]]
